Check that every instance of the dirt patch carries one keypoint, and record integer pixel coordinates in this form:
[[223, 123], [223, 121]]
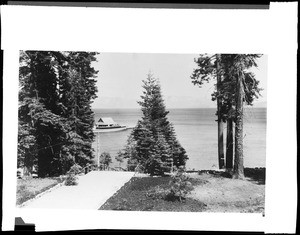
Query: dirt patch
[[222, 194]]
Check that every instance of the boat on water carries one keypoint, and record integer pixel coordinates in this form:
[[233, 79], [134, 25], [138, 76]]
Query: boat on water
[[107, 124]]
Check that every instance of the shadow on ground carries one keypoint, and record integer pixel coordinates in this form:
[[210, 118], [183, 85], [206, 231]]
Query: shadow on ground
[[257, 175]]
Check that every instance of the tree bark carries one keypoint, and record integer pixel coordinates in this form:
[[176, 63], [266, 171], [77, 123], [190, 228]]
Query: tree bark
[[229, 145], [220, 123], [238, 171]]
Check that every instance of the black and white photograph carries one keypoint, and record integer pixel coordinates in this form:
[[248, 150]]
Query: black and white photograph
[[142, 132], [149, 118]]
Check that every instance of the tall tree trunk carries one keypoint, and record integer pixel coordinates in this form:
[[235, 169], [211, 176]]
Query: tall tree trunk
[[229, 145], [238, 171], [220, 123]]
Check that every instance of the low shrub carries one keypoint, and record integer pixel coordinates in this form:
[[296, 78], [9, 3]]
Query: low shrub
[[71, 180], [180, 185], [61, 178], [75, 169]]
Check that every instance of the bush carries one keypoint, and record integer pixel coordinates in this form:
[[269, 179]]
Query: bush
[[132, 164], [71, 180], [105, 160], [75, 169], [180, 185]]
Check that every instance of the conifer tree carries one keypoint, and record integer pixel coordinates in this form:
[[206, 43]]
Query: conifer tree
[[163, 149], [211, 67], [26, 152], [55, 116], [144, 142], [78, 89], [156, 148], [232, 67], [38, 98], [244, 93]]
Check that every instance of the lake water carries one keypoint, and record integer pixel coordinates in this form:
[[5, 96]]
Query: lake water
[[196, 130]]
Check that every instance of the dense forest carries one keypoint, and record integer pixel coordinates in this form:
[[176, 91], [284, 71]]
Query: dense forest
[[56, 90]]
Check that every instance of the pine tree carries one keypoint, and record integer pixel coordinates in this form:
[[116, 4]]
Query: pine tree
[[26, 152], [244, 93], [56, 91], [219, 114], [38, 97], [154, 146], [129, 153], [231, 68], [210, 67], [144, 142], [163, 149], [78, 89], [178, 153]]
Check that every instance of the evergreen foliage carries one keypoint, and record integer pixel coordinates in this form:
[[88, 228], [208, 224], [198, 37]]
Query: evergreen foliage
[[105, 159], [180, 185], [71, 180], [238, 85], [207, 70], [55, 116], [153, 145], [119, 158], [75, 169]]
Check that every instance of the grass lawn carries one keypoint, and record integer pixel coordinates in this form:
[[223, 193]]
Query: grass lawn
[[212, 192], [146, 194], [28, 188]]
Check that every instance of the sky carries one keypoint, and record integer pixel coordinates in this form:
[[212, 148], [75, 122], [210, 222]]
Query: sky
[[120, 76]]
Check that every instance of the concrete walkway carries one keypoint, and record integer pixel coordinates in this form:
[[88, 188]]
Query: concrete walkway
[[92, 191]]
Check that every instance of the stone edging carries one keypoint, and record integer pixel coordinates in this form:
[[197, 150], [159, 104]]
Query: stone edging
[[41, 194]]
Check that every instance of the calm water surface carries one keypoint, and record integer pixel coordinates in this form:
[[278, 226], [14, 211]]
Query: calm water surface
[[196, 130]]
